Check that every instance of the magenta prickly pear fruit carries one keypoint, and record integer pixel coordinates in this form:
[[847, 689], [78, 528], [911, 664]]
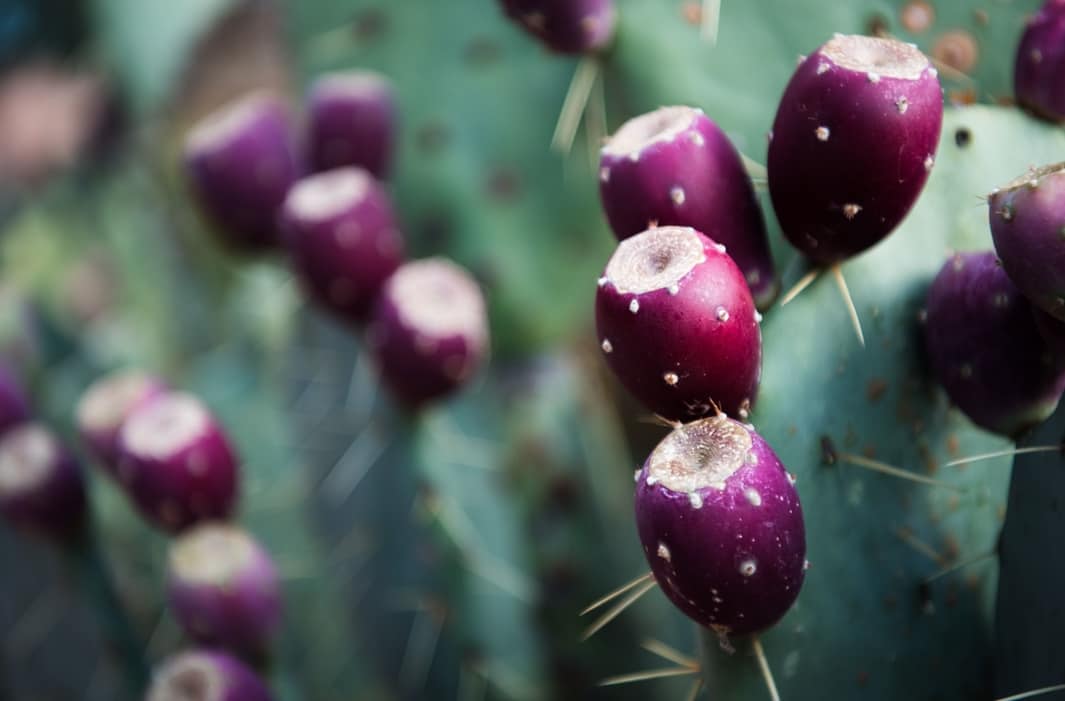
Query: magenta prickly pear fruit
[[1039, 68], [176, 462], [1028, 228], [224, 589], [677, 324], [206, 675], [675, 167], [351, 122], [721, 526], [341, 235], [853, 141], [566, 26], [14, 405], [241, 161], [429, 332], [106, 405], [985, 348], [41, 485]]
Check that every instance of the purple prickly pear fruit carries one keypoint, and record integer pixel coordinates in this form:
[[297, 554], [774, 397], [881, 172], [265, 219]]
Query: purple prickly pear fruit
[[721, 526], [853, 141], [14, 405], [41, 485], [429, 332], [1039, 68], [241, 160], [985, 349], [105, 406], [351, 122], [1028, 228], [677, 325], [176, 463], [566, 26], [1052, 331], [206, 675], [675, 167], [341, 235], [224, 589]]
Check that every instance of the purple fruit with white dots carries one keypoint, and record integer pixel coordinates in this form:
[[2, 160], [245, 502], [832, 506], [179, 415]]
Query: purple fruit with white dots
[[342, 239], [721, 526], [351, 122], [241, 160], [42, 489], [985, 348], [14, 405], [429, 332], [566, 26], [852, 144], [206, 675], [1039, 68], [675, 167], [224, 588], [678, 326], [106, 405], [176, 463], [1028, 227]]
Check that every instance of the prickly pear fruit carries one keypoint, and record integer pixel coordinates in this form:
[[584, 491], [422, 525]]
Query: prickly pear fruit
[[206, 675], [41, 484], [351, 122], [1039, 67], [106, 405], [566, 26]]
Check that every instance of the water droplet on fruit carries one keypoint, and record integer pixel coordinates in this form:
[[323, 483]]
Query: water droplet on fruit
[[748, 567]]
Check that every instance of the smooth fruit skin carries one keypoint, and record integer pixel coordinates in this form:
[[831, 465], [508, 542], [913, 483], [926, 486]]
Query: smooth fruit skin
[[14, 404], [211, 675], [682, 349], [42, 489], [850, 152], [343, 252], [985, 349], [689, 175], [224, 588], [731, 555], [351, 121], [177, 464], [1028, 227], [104, 407], [241, 161], [1039, 67], [566, 26]]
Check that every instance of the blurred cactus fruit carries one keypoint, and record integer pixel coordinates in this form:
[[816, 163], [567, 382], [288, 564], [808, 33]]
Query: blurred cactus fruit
[[721, 526], [241, 161], [429, 332], [351, 122], [42, 489], [341, 234], [566, 26], [678, 326], [1039, 67], [1028, 227], [675, 167], [853, 142], [14, 405], [224, 589], [985, 348], [176, 463], [206, 675], [106, 405]]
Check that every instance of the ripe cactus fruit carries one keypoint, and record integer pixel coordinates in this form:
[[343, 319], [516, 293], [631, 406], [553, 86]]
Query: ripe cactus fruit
[[430, 331], [1028, 228], [351, 122], [14, 405], [984, 347], [853, 141], [675, 167], [206, 675], [41, 485], [566, 26], [241, 161], [224, 589], [721, 526], [1039, 67], [678, 326], [106, 405], [341, 235], [176, 462]]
